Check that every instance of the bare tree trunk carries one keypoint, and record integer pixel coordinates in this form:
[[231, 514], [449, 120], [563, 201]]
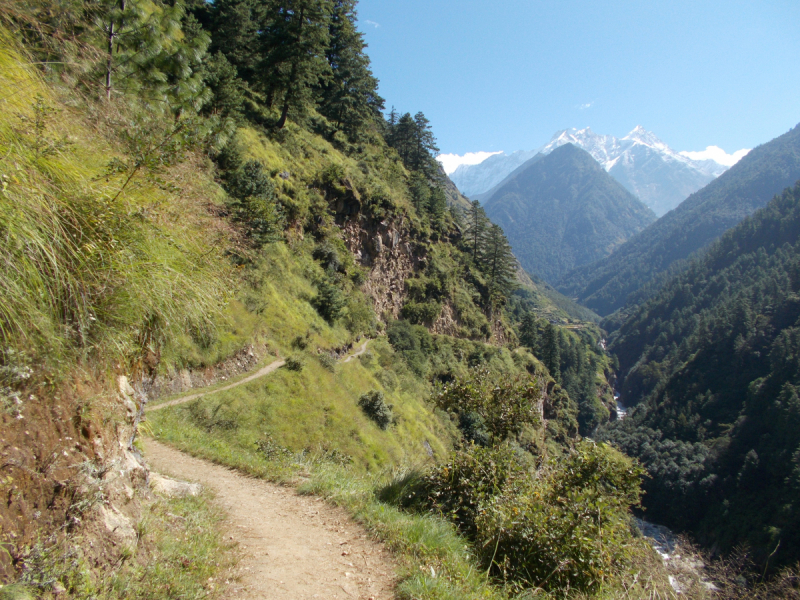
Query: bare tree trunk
[[110, 58]]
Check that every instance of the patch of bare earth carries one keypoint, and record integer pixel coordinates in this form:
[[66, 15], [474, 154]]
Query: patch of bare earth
[[294, 547]]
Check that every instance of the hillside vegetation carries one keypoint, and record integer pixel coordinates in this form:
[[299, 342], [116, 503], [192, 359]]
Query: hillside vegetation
[[636, 269], [189, 187], [563, 211], [165, 208], [710, 362]]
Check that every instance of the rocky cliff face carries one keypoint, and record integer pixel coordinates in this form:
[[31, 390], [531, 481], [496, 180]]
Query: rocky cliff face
[[69, 466]]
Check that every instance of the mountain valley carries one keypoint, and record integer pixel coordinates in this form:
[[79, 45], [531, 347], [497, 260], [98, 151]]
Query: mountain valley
[[227, 260]]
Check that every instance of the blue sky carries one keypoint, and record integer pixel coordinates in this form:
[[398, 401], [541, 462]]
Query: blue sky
[[506, 75]]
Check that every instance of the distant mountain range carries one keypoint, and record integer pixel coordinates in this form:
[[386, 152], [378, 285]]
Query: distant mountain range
[[562, 210], [637, 268], [648, 168]]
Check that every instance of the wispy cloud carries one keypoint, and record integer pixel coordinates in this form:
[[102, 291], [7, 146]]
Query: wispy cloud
[[717, 154], [373, 23], [586, 106], [450, 162]]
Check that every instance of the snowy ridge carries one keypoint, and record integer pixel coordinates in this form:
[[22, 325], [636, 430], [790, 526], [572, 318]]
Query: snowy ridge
[[609, 151], [661, 177]]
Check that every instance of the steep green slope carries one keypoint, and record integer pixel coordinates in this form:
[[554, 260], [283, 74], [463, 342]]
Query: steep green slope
[[651, 255], [711, 362], [564, 211]]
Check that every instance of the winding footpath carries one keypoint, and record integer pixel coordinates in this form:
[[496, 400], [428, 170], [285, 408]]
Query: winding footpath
[[270, 368], [293, 547]]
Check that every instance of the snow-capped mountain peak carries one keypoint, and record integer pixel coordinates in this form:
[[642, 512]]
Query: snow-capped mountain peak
[[643, 163]]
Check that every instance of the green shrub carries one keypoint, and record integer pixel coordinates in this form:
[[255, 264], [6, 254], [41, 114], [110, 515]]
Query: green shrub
[[504, 404], [375, 407], [472, 476], [387, 379], [218, 418], [254, 203], [473, 426], [413, 343], [327, 361], [568, 529], [329, 301], [422, 312], [295, 363], [367, 359]]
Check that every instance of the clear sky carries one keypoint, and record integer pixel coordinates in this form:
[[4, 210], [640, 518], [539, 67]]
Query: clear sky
[[506, 75]]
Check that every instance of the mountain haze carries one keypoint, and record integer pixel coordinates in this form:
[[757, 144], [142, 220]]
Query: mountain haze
[[748, 185], [563, 210], [472, 180]]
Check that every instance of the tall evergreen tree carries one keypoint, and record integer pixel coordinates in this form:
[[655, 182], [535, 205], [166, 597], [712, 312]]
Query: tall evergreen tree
[[551, 351], [350, 97], [499, 265], [148, 52], [477, 225], [424, 147], [295, 40], [237, 27]]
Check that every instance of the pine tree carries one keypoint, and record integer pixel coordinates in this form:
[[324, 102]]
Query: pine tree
[[477, 224], [528, 331], [295, 40], [499, 265], [423, 147], [148, 51], [350, 97], [236, 27], [551, 352]]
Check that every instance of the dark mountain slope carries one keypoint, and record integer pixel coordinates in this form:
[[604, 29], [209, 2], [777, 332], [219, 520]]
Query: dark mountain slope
[[563, 210], [713, 363], [606, 286]]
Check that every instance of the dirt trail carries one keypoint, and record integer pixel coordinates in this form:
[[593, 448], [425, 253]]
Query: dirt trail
[[273, 366], [295, 547], [358, 352]]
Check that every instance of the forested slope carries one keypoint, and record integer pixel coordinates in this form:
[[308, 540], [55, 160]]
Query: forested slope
[[564, 210], [608, 284], [711, 363]]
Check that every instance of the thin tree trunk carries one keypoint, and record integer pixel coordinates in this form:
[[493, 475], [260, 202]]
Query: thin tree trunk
[[109, 60]]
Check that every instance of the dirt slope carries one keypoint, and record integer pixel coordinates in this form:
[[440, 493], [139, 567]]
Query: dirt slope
[[295, 547]]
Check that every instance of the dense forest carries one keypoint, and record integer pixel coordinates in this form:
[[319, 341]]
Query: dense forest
[[710, 363], [639, 267]]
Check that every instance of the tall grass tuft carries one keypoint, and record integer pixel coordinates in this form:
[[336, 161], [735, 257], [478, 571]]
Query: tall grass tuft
[[86, 269]]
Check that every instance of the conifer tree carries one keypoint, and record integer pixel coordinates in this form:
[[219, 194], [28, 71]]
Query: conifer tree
[[236, 27], [295, 40], [499, 265], [423, 147], [551, 352], [350, 97], [147, 51], [528, 334], [476, 223]]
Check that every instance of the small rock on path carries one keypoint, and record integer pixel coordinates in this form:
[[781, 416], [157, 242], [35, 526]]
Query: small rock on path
[[294, 547]]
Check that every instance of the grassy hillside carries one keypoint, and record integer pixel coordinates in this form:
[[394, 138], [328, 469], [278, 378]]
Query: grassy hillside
[[564, 211], [646, 260]]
